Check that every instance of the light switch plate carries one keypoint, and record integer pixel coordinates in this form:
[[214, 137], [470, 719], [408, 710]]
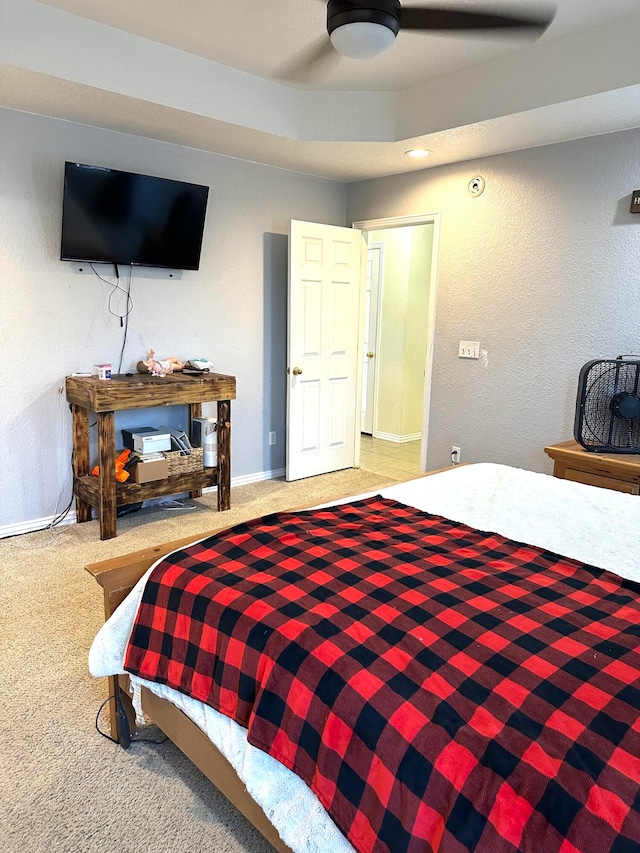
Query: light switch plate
[[469, 349]]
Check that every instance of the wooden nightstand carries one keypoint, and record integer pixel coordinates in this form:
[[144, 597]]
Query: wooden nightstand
[[618, 471]]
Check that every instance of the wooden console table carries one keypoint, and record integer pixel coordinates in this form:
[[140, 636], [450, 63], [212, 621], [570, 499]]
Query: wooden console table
[[105, 397], [618, 471]]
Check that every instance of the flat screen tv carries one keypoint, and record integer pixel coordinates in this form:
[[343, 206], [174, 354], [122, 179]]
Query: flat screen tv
[[117, 217]]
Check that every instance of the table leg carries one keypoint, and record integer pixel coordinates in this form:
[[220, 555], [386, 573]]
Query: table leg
[[224, 454], [81, 459], [195, 411], [107, 477]]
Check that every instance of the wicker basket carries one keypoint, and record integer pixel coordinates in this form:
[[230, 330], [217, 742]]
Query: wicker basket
[[179, 464]]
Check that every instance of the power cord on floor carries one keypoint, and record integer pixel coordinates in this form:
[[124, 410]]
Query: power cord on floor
[[98, 729], [131, 739]]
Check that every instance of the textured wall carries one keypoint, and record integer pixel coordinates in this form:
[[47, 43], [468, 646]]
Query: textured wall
[[54, 321], [542, 269]]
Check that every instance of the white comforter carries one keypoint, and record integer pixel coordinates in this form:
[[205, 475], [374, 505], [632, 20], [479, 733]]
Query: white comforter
[[593, 525]]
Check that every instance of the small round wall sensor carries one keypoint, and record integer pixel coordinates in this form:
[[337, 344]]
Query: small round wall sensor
[[476, 186]]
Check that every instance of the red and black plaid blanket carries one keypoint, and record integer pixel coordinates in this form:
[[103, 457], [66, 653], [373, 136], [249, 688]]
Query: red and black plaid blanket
[[439, 688]]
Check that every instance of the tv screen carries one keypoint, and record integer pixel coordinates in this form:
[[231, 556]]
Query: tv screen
[[123, 218]]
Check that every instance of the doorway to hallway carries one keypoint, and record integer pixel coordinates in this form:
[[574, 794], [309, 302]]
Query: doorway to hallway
[[397, 343]]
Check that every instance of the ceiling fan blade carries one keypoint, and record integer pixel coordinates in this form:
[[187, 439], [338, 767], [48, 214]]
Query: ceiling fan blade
[[430, 18], [312, 62]]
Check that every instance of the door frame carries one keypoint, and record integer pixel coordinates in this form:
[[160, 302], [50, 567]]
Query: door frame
[[376, 342], [401, 222]]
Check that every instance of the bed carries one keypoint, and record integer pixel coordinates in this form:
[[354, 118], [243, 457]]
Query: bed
[[565, 522]]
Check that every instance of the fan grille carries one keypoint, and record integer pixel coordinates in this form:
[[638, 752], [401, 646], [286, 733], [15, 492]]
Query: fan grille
[[607, 389]]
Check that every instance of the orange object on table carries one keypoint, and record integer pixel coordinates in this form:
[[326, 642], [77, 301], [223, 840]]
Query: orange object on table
[[121, 475]]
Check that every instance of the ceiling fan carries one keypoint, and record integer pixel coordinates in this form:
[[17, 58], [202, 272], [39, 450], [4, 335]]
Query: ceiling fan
[[362, 29]]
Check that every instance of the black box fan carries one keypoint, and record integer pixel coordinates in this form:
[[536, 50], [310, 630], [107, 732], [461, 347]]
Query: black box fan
[[608, 406]]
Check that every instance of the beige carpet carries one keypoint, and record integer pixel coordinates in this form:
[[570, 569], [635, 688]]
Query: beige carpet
[[62, 786]]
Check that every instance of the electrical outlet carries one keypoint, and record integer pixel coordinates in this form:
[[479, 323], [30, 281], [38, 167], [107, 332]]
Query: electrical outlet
[[456, 452], [272, 438], [469, 349]]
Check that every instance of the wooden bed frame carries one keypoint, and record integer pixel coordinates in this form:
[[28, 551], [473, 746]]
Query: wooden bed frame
[[117, 577]]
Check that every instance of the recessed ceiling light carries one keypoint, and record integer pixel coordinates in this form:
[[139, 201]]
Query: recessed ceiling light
[[418, 152]]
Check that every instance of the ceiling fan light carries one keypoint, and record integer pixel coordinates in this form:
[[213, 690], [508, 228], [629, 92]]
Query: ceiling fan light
[[362, 39]]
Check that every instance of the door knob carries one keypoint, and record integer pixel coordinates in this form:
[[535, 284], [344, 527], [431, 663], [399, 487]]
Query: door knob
[[370, 354], [297, 371]]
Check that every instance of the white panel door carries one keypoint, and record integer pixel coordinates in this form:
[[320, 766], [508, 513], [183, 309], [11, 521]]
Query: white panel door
[[322, 348]]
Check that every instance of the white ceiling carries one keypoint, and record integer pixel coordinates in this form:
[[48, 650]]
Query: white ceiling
[[207, 74], [261, 36]]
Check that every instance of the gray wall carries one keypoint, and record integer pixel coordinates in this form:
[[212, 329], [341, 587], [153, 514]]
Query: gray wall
[[54, 321], [542, 269]]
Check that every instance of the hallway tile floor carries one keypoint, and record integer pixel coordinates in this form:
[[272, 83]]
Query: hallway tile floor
[[397, 461]]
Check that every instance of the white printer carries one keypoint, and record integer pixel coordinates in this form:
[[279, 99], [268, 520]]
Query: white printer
[[146, 439]]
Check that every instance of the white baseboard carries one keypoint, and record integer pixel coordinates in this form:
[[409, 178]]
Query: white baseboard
[[35, 524], [251, 478], [398, 439]]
